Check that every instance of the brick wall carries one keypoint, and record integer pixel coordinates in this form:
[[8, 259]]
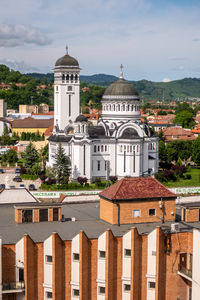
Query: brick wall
[[67, 263], [18, 215], [58, 267], [29, 268], [36, 215], [192, 215], [8, 263], [84, 267]]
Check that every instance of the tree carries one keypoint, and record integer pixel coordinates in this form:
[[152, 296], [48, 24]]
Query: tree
[[196, 151], [5, 138], [62, 166], [43, 156], [30, 156], [185, 118], [12, 156], [162, 152], [176, 149]]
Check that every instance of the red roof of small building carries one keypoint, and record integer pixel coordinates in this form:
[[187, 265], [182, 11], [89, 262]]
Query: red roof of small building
[[137, 188]]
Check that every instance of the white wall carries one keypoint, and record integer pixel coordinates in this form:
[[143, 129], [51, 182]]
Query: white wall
[[101, 266], [126, 265], [196, 265], [19, 250], [48, 267], [75, 266], [151, 264]]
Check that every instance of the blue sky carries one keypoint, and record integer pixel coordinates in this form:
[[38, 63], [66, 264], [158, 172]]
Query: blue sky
[[155, 40]]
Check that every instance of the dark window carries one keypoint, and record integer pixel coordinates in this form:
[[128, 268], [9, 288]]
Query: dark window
[[102, 290], [63, 77], [127, 252], [49, 295], [76, 256], [152, 285], [152, 212], [75, 292], [72, 77], [69, 105], [67, 77], [98, 148], [21, 274], [49, 258], [43, 215], [127, 287], [102, 254], [154, 253], [55, 214], [84, 160], [133, 161], [98, 165], [27, 216], [95, 148], [69, 88]]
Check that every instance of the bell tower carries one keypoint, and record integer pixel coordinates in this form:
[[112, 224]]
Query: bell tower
[[66, 90]]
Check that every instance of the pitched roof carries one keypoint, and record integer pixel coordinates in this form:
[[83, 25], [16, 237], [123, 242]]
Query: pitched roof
[[135, 189], [9, 196], [177, 133], [32, 123]]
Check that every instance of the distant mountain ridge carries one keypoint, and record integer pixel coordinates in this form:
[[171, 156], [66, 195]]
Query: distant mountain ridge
[[148, 90]]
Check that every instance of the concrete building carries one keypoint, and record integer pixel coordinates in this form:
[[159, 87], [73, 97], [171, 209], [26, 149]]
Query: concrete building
[[120, 142], [84, 257], [33, 109]]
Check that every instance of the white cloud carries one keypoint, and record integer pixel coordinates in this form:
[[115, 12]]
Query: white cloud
[[19, 35], [20, 66], [166, 80]]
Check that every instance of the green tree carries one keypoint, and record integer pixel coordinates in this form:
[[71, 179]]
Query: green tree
[[12, 156], [62, 166], [185, 118], [162, 151], [176, 149], [30, 156], [196, 151], [5, 138]]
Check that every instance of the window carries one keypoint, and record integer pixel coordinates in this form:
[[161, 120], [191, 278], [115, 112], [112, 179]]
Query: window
[[84, 162], [27, 216], [127, 252], [21, 274], [136, 213], [95, 148], [49, 258], [121, 148], [98, 165], [152, 212], [102, 254], [55, 214], [105, 165], [106, 148], [98, 148], [56, 88], [69, 105], [101, 148], [152, 285], [49, 295], [76, 256], [75, 292], [153, 253], [43, 215], [101, 289], [127, 287], [69, 88]]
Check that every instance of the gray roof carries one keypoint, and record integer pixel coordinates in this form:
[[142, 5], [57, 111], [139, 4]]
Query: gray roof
[[59, 138], [67, 60], [87, 220], [121, 87], [14, 196]]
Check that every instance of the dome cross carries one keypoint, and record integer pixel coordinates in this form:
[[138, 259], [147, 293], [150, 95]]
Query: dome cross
[[121, 72]]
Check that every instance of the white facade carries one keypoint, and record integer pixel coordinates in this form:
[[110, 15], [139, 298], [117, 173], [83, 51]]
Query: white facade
[[151, 265], [101, 267], [120, 145], [48, 266]]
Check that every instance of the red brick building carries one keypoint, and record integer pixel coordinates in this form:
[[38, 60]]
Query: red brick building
[[69, 252]]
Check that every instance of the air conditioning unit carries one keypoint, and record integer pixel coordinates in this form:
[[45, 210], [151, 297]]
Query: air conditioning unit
[[175, 227], [73, 219]]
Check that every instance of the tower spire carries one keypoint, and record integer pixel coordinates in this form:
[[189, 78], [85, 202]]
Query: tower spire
[[121, 72], [66, 49]]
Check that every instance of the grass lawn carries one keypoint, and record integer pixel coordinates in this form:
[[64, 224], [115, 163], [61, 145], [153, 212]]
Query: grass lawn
[[194, 181]]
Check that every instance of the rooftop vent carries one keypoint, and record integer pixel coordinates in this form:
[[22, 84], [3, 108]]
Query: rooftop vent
[[175, 227]]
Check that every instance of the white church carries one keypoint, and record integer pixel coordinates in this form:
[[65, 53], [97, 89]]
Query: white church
[[120, 145]]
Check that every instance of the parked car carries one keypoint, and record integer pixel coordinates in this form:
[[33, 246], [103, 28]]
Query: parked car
[[17, 179], [2, 186], [17, 171], [22, 186], [1, 171], [31, 187]]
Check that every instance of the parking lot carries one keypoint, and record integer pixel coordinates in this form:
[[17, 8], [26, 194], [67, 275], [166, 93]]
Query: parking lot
[[7, 179]]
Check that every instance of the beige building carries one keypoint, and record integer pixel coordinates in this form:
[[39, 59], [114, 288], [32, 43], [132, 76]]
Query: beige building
[[34, 109]]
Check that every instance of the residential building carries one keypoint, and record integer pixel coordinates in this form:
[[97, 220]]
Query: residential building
[[176, 133], [30, 125]]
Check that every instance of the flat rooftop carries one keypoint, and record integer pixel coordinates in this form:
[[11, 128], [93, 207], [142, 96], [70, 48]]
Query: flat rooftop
[[87, 220]]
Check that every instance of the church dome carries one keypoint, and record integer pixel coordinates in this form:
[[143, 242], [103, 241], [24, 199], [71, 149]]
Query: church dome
[[81, 118], [121, 87], [67, 61]]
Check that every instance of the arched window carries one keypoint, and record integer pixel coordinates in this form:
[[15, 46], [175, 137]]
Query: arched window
[[63, 77], [118, 107], [76, 78], [131, 107], [78, 128], [95, 148], [67, 77], [110, 107], [123, 107], [128, 106], [72, 77], [101, 148], [114, 107]]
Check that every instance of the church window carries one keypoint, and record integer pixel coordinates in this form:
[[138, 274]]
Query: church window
[[98, 148], [72, 77], [114, 107], [138, 148], [83, 128], [124, 161], [69, 88], [95, 148], [131, 107], [128, 107], [56, 88], [110, 107], [124, 147], [76, 78], [98, 165], [101, 148], [121, 148], [133, 161], [118, 107], [106, 148], [130, 148], [63, 77], [105, 165], [127, 148], [84, 160], [67, 78], [69, 105], [123, 107]]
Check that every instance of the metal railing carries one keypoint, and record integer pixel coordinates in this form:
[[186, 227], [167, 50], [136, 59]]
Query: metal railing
[[185, 271], [19, 285]]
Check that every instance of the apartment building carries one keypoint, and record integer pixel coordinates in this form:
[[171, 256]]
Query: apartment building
[[127, 246]]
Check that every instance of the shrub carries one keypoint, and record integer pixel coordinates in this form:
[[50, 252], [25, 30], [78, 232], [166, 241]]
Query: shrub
[[82, 180], [113, 179], [29, 177]]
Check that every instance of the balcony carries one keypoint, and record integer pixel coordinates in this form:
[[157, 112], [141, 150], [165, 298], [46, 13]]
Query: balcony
[[13, 287], [186, 273]]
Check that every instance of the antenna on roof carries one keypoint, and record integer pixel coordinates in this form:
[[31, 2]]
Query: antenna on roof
[[121, 72]]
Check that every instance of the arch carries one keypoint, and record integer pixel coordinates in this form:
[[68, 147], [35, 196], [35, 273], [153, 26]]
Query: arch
[[132, 125], [72, 77], [76, 78], [63, 77], [67, 77], [118, 107]]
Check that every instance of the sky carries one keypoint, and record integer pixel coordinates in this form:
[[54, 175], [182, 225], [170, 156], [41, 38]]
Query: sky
[[154, 39]]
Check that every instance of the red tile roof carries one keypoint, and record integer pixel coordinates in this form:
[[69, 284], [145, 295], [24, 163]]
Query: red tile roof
[[177, 133], [135, 189]]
